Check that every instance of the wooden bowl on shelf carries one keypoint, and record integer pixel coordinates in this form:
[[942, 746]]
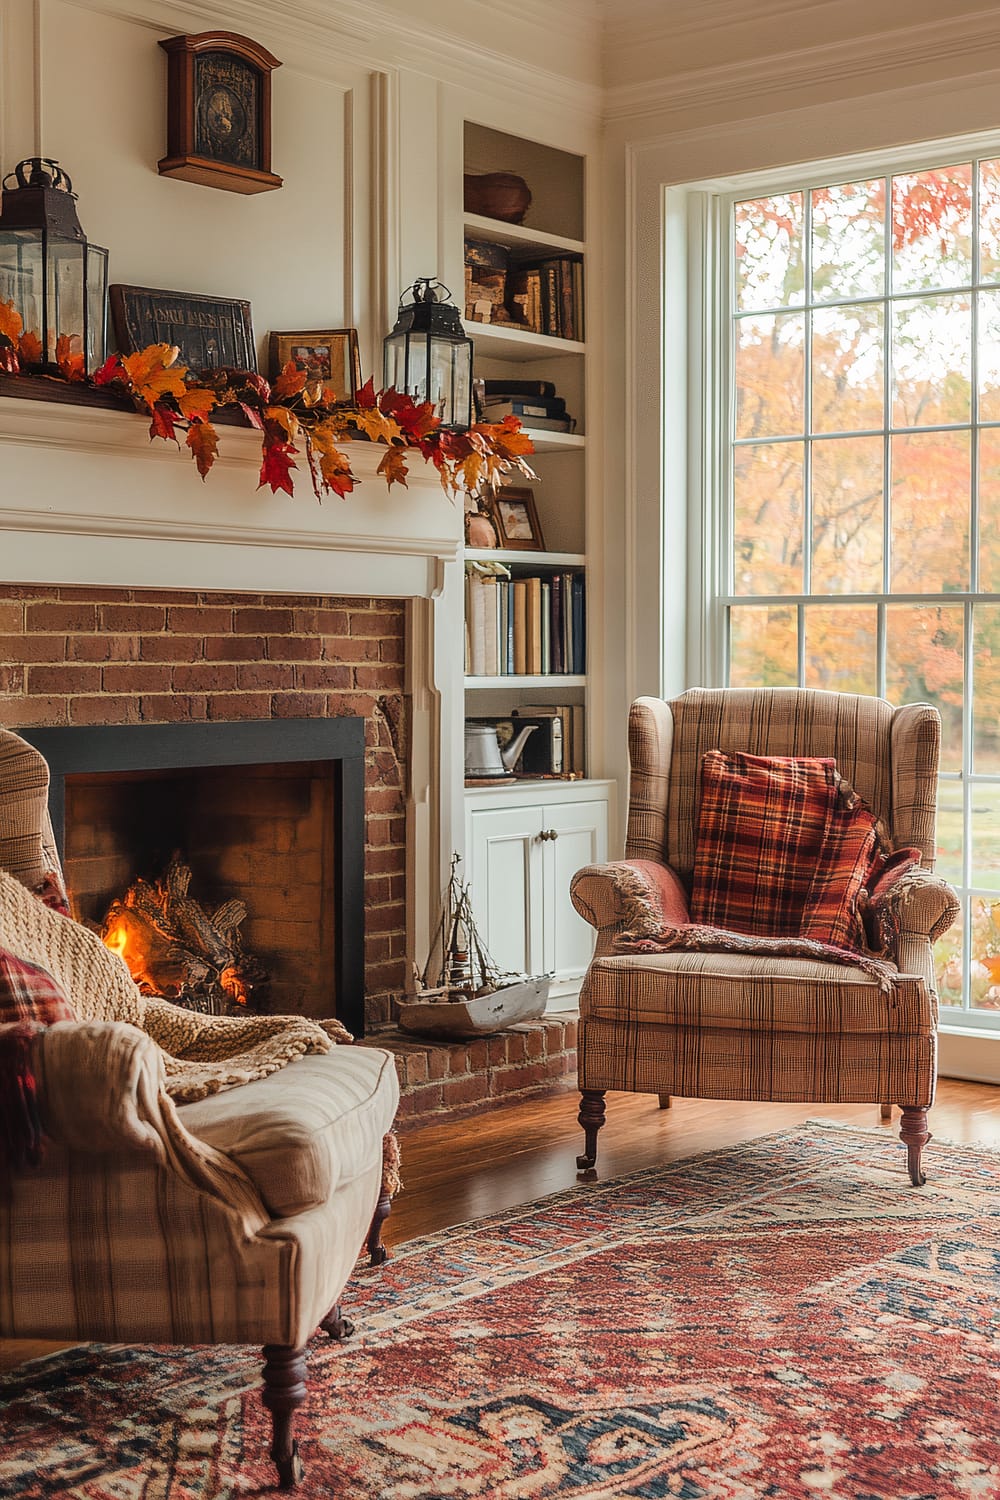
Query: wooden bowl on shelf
[[497, 195]]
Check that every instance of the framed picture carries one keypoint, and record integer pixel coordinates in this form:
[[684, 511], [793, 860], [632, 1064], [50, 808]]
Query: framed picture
[[517, 519], [331, 356], [211, 332]]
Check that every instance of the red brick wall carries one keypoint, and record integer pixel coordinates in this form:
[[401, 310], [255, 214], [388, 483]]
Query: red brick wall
[[141, 656]]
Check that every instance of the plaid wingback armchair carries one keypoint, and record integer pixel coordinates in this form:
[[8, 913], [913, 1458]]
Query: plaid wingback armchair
[[722, 1025], [234, 1219]]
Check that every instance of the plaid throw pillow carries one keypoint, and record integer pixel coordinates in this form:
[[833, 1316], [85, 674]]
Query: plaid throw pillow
[[783, 849], [29, 993]]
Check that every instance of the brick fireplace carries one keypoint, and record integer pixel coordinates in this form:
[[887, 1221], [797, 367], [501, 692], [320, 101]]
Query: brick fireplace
[[72, 657]]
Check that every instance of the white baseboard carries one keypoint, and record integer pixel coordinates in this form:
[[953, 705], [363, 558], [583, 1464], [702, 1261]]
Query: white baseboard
[[973, 1055]]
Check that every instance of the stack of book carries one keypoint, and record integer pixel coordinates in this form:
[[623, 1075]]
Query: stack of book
[[547, 295], [543, 295], [529, 626], [559, 753], [534, 401]]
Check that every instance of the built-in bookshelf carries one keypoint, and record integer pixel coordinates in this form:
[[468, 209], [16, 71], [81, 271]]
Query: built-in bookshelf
[[527, 319]]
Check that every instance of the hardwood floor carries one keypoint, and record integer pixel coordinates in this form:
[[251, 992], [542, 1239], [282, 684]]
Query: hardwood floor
[[464, 1169]]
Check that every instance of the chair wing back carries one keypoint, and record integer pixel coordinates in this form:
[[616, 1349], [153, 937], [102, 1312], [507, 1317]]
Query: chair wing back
[[27, 844], [888, 755]]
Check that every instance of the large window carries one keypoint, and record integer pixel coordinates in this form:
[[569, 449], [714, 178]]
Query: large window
[[861, 517]]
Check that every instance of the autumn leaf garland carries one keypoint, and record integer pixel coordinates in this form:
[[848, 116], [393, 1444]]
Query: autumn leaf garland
[[296, 413]]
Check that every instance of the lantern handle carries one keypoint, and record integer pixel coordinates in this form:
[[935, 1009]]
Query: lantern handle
[[44, 173], [425, 289]]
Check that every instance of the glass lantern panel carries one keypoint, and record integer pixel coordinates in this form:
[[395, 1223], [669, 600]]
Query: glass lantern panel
[[21, 283], [97, 305], [65, 265], [445, 370]]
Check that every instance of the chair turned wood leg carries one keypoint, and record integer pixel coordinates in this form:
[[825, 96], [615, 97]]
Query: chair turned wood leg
[[591, 1117], [885, 1111], [664, 1100], [377, 1253], [336, 1325], [914, 1134], [284, 1392]]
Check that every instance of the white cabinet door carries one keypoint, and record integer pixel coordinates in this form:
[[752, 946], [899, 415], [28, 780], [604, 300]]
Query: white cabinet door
[[581, 838], [506, 878]]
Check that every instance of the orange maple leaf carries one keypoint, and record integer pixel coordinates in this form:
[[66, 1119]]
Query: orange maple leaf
[[196, 403], [69, 357], [162, 424], [10, 321], [290, 381], [393, 466], [507, 438], [285, 419], [153, 373], [29, 347], [203, 440], [334, 466]]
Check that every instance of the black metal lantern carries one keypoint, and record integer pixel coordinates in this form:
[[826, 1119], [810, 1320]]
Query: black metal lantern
[[427, 355], [55, 279]]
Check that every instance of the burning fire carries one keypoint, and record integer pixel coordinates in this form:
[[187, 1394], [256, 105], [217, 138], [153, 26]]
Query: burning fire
[[117, 941]]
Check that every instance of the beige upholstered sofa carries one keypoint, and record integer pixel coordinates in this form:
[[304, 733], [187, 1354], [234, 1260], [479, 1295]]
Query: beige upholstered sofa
[[234, 1219], [726, 1025]]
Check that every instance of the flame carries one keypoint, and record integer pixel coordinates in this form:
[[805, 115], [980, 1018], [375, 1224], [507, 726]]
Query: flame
[[117, 941]]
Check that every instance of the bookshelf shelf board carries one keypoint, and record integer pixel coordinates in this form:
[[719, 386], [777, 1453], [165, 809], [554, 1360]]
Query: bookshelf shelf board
[[529, 560], [499, 233], [522, 680], [556, 442], [504, 341]]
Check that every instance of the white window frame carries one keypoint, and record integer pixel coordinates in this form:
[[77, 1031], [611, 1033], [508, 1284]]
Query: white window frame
[[701, 417]]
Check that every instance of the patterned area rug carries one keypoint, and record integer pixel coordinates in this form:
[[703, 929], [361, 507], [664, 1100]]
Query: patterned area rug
[[788, 1318]]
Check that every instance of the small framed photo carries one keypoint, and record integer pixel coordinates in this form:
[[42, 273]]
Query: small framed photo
[[331, 356], [517, 519]]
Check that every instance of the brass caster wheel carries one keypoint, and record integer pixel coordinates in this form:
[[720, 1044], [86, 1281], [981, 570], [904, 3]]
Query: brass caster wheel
[[290, 1470]]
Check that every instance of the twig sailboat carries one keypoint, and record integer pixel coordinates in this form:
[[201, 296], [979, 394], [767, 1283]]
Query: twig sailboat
[[462, 992]]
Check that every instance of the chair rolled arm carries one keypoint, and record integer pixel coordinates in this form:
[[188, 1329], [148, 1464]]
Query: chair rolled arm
[[922, 904], [629, 895], [101, 1089]]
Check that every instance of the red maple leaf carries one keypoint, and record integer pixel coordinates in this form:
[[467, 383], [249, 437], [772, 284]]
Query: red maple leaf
[[162, 425], [109, 371], [277, 465], [366, 396]]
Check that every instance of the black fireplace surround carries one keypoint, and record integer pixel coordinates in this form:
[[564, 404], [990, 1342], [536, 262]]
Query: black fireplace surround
[[339, 741]]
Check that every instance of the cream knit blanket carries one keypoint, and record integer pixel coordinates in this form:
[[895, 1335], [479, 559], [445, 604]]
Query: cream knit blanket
[[202, 1054]]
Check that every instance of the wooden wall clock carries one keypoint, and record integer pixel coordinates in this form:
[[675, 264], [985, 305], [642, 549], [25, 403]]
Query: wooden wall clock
[[219, 112]]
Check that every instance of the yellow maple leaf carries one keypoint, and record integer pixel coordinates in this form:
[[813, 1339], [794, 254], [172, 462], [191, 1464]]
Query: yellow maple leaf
[[154, 373], [376, 424], [10, 321], [285, 419], [393, 466], [472, 472]]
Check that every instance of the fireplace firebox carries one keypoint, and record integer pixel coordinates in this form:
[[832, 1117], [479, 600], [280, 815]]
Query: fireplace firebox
[[270, 813]]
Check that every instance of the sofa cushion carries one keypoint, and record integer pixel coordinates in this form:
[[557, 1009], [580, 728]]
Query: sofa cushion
[[741, 992], [783, 848], [299, 1133]]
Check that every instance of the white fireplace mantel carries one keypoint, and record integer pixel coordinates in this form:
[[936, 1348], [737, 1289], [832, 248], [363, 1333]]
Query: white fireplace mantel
[[87, 498]]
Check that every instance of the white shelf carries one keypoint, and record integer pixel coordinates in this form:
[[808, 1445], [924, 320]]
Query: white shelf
[[506, 341], [522, 680], [516, 557], [556, 442], [499, 233]]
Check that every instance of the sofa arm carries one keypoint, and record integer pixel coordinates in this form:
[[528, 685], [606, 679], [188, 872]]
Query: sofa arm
[[101, 1090], [629, 895]]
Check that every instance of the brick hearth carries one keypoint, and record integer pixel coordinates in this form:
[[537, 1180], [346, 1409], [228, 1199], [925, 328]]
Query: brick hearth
[[85, 655], [464, 1077]]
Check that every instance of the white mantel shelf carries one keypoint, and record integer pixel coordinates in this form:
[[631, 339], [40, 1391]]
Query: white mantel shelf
[[87, 497]]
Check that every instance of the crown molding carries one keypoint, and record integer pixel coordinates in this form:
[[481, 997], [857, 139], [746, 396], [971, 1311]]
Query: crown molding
[[380, 35], [873, 55]]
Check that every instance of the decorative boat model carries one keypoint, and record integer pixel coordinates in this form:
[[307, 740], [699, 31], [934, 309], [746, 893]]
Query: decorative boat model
[[462, 993]]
